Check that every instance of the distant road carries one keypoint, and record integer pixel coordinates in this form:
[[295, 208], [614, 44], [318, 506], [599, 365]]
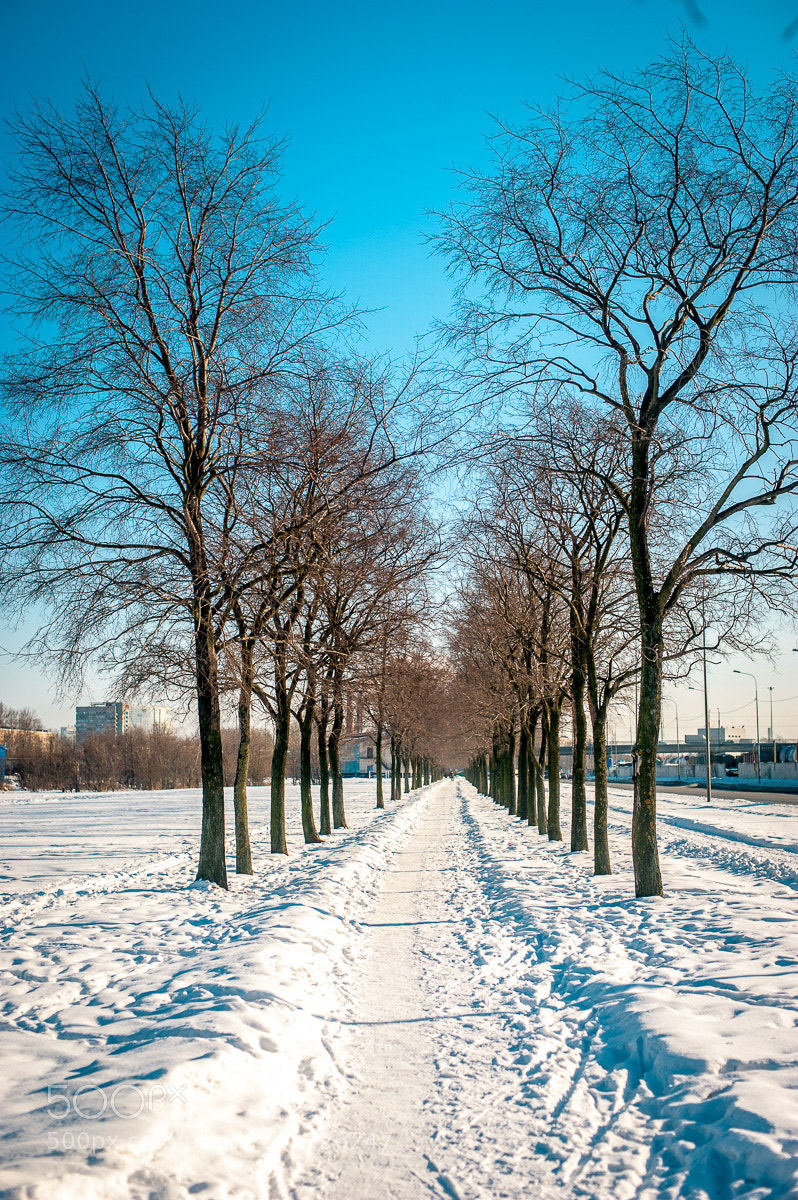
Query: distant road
[[726, 792]]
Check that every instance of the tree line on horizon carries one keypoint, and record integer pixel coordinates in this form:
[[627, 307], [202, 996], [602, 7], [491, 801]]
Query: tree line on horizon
[[107, 761]]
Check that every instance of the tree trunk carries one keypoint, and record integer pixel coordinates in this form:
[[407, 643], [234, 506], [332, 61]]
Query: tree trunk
[[334, 744], [578, 685], [407, 776], [282, 729], [578, 790], [509, 773], [211, 864], [553, 755], [645, 856], [378, 753], [394, 769], [601, 845], [305, 770], [243, 849], [495, 771], [325, 813], [523, 770], [534, 771], [540, 785]]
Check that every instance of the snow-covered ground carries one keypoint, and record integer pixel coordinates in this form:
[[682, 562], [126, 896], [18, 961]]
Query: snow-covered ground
[[436, 1002]]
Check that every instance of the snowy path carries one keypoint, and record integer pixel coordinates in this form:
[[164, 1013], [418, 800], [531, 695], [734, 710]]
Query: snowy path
[[470, 1077], [380, 1132], [428, 1048], [159, 1040], [523, 1028]]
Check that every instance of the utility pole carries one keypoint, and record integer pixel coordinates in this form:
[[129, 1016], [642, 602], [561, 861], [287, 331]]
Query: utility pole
[[772, 731]]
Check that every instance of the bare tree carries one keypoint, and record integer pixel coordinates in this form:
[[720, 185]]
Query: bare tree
[[554, 494], [165, 290], [421, 708], [638, 247], [385, 547]]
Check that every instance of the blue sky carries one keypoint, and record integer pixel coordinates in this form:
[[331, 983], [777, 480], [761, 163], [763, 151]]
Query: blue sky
[[378, 102]]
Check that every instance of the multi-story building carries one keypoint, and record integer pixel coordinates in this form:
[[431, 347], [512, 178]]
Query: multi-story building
[[113, 716], [151, 718], [716, 734], [117, 716], [39, 737]]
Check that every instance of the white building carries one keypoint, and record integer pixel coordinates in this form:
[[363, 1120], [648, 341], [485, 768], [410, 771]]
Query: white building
[[151, 718], [717, 735]]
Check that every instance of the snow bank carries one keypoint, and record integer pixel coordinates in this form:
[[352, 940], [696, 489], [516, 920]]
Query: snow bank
[[668, 1028], [165, 1040]]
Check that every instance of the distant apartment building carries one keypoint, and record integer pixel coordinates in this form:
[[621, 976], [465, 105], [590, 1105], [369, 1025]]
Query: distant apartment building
[[118, 717], [113, 716], [151, 718], [18, 737]]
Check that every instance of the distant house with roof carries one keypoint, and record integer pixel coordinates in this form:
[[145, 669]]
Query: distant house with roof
[[359, 755]]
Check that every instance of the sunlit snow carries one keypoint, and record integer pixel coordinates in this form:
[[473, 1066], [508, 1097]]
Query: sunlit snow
[[436, 1002]]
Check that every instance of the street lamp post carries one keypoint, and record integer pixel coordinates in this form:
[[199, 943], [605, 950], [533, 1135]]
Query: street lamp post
[[756, 702], [772, 731]]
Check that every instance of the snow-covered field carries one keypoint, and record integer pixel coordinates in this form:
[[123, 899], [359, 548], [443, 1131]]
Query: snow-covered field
[[435, 1002]]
